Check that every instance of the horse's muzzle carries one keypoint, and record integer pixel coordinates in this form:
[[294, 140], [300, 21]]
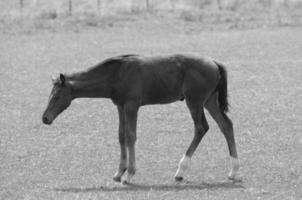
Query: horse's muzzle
[[46, 120]]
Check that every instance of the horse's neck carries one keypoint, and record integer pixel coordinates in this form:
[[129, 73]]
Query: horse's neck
[[90, 84]]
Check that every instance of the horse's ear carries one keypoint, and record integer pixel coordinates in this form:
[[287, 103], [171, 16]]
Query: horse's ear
[[53, 79], [62, 78]]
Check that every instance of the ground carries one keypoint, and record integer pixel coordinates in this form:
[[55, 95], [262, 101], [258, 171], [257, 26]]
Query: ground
[[76, 157]]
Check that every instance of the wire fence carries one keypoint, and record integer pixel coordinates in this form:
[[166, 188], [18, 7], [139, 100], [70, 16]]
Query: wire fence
[[105, 7]]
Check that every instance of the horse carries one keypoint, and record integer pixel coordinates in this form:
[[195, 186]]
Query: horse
[[132, 81]]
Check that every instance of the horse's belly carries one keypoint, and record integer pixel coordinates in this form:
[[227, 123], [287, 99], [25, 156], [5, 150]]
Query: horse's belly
[[163, 89], [161, 99]]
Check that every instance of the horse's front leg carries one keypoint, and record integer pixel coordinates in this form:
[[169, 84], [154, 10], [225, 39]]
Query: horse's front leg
[[130, 113], [122, 140]]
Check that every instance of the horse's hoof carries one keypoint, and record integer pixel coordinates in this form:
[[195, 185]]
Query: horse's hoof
[[118, 175], [231, 177], [235, 179], [117, 179], [179, 178], [128, 179], [125, 182]]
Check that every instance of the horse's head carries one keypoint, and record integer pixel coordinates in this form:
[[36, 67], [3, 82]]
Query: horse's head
[[59, 99]]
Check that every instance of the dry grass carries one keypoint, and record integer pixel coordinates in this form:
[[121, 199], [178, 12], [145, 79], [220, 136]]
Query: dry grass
[[54, 15], [77, 156]]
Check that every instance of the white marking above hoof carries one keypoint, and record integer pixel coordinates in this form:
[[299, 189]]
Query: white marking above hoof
[[183, 166], [127, 179], [118, 175], [234, 169]]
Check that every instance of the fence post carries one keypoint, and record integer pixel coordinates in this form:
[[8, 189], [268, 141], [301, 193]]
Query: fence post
[[99, 6], [21, 4], [70, 7], [219, 4], [147, 5], [21, 7]]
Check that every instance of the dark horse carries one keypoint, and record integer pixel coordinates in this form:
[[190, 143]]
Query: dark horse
[[132, 81]]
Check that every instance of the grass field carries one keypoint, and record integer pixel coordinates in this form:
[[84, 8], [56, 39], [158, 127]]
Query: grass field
[[76, 157]]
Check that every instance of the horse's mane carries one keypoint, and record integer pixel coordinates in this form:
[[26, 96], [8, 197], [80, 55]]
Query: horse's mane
[[114, 60], [108, 65]]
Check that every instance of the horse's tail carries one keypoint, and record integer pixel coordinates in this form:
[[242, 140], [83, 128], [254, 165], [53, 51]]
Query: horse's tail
[[222, 88]]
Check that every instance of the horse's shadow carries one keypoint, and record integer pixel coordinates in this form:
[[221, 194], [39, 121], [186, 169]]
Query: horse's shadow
[[156, 187]]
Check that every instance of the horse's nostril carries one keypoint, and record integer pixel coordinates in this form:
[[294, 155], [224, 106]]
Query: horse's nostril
[[45, 120]]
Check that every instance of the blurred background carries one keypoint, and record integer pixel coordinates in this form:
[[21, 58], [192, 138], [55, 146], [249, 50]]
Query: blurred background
[[231, 13]]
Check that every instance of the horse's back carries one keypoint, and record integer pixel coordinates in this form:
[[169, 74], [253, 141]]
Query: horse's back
[[184, 62], [164, 79], [192, 70]]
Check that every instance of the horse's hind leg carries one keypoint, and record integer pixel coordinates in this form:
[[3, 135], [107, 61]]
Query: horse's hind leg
[[226, 127], [201, 127]]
